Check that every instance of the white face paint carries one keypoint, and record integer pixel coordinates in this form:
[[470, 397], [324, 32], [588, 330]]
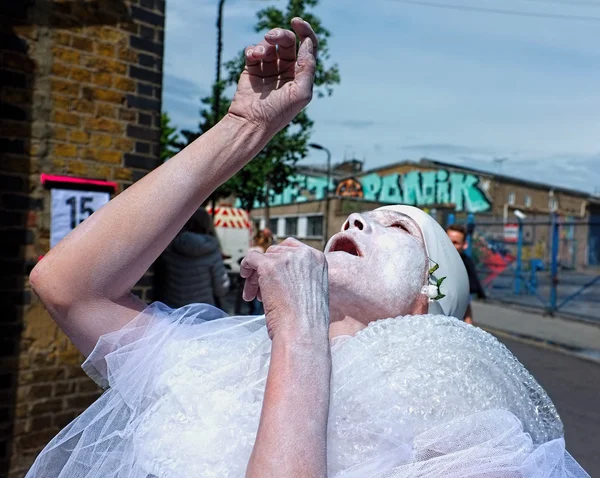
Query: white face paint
[[377, 266]]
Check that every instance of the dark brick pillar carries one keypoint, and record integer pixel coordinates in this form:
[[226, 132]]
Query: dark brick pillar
[[80, 96]]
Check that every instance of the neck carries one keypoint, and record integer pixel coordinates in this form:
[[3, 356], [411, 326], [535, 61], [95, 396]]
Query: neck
[[347, 326]]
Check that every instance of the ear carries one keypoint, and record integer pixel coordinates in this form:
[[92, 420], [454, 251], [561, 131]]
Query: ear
[[421, 305], [465, 245]]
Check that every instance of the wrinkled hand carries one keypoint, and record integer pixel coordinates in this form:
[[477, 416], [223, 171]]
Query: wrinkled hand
[[275, 85], [291, 280]]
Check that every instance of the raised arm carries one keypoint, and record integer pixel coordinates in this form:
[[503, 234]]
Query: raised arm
[[85, 281]]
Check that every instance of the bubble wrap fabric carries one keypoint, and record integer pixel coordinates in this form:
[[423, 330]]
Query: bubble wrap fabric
[[411, 397]]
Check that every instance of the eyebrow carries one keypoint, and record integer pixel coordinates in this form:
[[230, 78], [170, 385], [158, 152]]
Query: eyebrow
[[396, 214]]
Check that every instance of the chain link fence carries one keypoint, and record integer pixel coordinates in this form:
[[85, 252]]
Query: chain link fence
[[543, 264]]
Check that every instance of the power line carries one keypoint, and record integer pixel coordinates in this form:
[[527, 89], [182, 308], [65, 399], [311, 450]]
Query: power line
[[515, 13], [569, 3]]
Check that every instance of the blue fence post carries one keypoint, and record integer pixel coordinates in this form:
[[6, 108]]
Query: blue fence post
[[470, 226], [533, 282], [519, 270], [554, 263]]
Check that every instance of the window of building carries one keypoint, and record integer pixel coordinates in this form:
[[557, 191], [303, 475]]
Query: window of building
[[553, 204], [273, 225], [314, 226], [291, 226], [527, 201], [511, 199]]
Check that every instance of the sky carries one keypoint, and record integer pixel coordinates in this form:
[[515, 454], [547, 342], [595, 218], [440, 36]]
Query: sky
[[459, 81]]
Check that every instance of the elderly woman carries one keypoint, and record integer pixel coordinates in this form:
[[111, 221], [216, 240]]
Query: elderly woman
[[356, 369]]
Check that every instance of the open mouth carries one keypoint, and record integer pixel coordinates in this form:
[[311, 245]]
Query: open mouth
[[345, 244]]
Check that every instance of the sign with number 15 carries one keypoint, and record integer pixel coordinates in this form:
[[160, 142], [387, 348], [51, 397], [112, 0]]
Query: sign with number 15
[[70, 208]]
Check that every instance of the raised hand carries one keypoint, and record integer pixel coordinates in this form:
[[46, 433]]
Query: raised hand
[[291, 279], [276, 84]]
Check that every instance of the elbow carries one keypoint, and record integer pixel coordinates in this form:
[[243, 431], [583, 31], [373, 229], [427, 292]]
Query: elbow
[[47, 287]]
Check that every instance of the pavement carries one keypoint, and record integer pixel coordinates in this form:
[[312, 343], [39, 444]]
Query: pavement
[[574, 387], [577, 337]]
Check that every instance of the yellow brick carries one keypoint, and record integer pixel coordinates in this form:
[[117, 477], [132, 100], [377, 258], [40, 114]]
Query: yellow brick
[[125, 84], [108, 95], [77, 168], [80, 75], [122, 173], [127, 55], [58, 164], [98, 171], [65, 87], [62, 38], [69, 119], [104, 110], [59, 69], [123, 144], [126, 115], [105, 50], [83, 106], [103, 79], [65, 55], [103, 124], [100, 140], [113, 157], [61, 102], [79, 137], [60, 133], [88, 153], [82, 44], [110, 35], [105, 65], [64, 150]]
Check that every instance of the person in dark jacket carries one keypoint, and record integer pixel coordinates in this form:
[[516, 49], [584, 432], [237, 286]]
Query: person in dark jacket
[[458, 236], [193, 267]]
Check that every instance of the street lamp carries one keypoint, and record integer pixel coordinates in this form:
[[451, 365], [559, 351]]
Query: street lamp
[[326, 222]]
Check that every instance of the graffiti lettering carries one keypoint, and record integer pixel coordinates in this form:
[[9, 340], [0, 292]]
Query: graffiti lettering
[[416, 188]]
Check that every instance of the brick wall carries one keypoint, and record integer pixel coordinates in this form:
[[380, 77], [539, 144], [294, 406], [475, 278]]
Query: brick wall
[[81, 87]]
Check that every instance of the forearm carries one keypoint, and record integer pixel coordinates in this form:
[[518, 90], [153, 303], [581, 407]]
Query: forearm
[[108, 253], [292, 436]]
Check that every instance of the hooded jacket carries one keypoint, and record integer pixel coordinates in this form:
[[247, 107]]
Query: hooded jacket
[[194, 271]]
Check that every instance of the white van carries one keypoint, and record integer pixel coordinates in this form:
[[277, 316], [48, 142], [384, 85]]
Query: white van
[[234, 230]]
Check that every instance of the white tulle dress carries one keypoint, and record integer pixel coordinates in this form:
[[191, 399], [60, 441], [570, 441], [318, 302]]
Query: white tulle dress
[[419, 396]]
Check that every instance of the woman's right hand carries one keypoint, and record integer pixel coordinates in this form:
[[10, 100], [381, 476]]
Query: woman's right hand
[[291, 280], [276, 84]]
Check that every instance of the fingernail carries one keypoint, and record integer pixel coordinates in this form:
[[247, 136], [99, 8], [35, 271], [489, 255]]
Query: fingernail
[[274, 33], [259, 49], [249, 52]]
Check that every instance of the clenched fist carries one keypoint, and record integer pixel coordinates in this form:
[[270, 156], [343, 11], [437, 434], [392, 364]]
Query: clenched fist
[[291, 280]]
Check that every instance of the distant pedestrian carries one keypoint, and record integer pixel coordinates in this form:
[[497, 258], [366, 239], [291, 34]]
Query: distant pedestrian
[[193, 267], [458, 236]]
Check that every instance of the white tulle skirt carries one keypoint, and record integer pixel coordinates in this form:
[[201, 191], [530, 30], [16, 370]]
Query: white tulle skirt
[[419, 396]]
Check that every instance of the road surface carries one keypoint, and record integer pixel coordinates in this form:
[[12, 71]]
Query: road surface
[[574, 386]]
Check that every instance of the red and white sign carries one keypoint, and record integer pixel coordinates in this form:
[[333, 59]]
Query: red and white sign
[[230, 217], [511, 232]]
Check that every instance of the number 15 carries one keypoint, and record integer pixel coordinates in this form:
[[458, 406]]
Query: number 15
[[84, 210]]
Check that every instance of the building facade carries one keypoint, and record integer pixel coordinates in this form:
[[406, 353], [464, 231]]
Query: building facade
[[80, 98], [448, 193]]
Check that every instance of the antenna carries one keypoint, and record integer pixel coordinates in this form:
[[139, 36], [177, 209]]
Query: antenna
[[499, 162]]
